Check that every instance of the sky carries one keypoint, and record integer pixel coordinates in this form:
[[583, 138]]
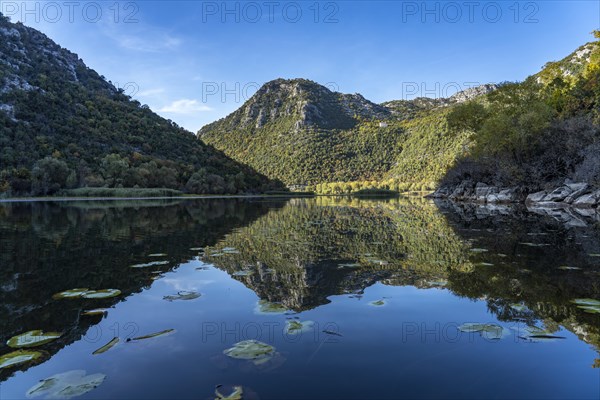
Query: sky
[[197, 61]]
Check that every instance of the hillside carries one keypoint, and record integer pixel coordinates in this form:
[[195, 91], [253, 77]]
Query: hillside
[[306, 135], [62, 125], [533, 135]]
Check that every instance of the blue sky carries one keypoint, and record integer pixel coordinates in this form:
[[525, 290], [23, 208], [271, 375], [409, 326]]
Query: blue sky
[[196, 61]]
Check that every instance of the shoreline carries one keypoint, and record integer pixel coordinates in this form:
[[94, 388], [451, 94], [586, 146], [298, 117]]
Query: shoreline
[[208, 196]]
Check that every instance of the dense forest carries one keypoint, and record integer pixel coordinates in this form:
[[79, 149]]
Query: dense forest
[[63, 126]]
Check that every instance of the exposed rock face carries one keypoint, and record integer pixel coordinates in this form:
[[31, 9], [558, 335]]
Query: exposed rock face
[[309, 104], [471, 93], [578, 195]]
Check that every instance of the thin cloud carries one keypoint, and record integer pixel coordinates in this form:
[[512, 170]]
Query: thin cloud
[[185, 106]]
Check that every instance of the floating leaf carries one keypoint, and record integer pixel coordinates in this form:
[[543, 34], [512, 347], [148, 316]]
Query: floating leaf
[[518, 307], [586, 302], [196, 249], [485, 264], [478, 250], [594, 255], [154, 335], [534, 244], [32, 339], [86, 293], [66, 385], [488, 331], [349, 265], [243, 273], [267, 307], [441, 282], [70, 294], [296, 327], [150, 264], [19, 357], [254, 350], [183, 295], [96, 311], [101, 294], [377, 303], [157, 255], [230, 250], [590, 306], [107, 346], [235, 395], [567, 268]]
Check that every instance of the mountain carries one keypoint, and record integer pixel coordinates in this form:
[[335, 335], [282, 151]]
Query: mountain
[[62, 125], [305, 134], [529, 134]]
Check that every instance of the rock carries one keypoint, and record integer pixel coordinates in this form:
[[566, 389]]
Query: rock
[[559, 194], [577, 186], [463, 191], [536, 197], [588, 200], [504, 196], [482, 191], [578, 191]]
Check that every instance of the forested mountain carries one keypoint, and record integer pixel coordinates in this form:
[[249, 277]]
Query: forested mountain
[[531, 133], [62, 125], [305, 134]]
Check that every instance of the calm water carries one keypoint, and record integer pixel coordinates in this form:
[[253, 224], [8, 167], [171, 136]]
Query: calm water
[[381, 290]]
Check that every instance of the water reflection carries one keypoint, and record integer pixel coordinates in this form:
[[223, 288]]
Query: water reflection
[[298, 257], [51, 247]]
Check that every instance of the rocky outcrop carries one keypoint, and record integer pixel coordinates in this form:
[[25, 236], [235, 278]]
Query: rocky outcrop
[[480, 192], [577, 195]]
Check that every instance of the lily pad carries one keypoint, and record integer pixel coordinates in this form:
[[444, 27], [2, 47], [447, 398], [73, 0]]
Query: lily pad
[[594, 255], [86, 293], [478, 250], [488, 331], [349, 265], [66, 385], [101, 294], [95, 311], [257, 352], [590, 306], [154, 335], [70, 294], [537, 334], [518, 307], [19, 357], [296, 327], [32, 339], [157, 255], [567, 268], [237, 393], [243, 273], [107, 346], [183, 295], [196, 248], [150, 264], [377, 303], [267, 307]]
